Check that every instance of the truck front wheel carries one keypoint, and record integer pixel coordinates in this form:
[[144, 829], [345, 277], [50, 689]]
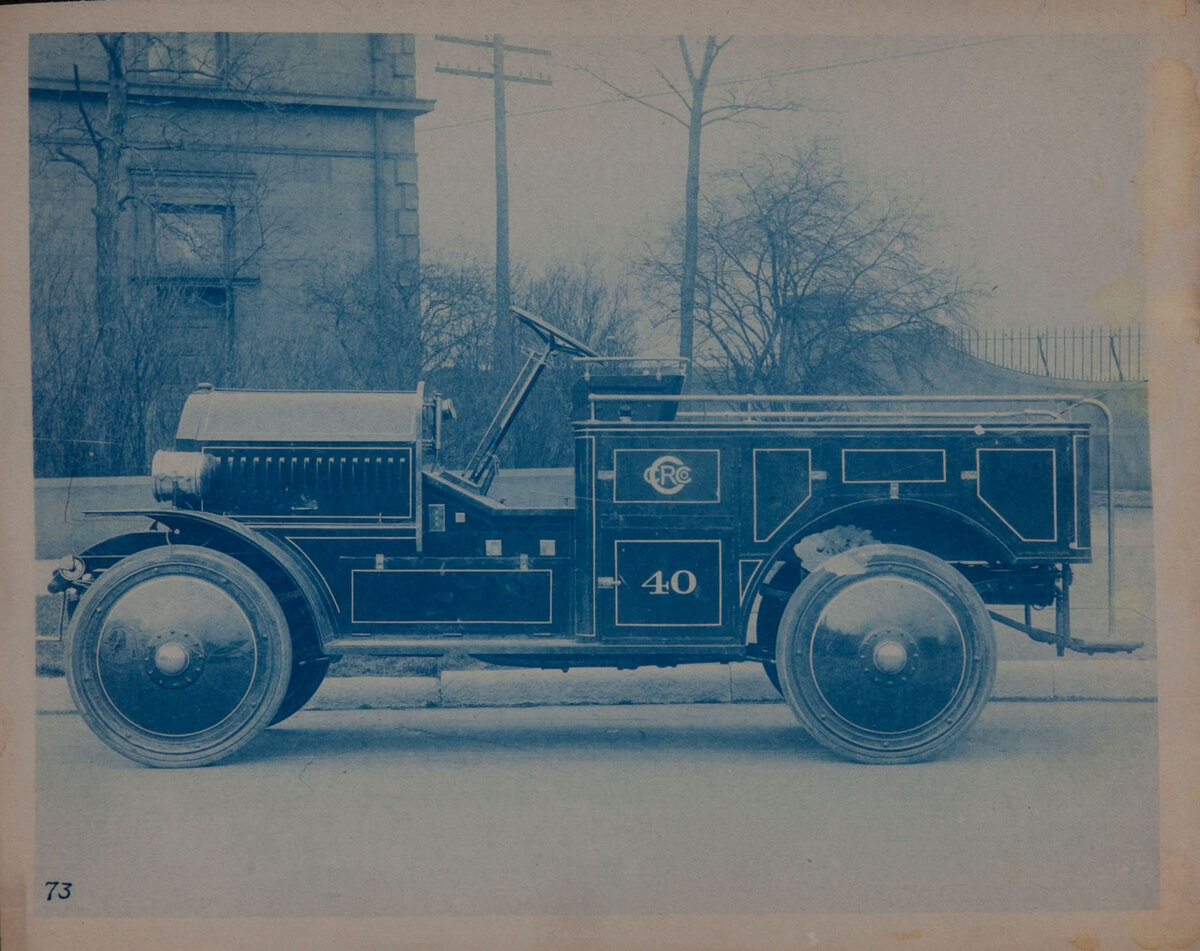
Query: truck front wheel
[[178, 655], [886, 654], [307, 676]]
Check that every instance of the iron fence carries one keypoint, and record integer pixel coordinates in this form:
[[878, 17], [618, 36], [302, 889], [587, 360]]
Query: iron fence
[[1066, 353]]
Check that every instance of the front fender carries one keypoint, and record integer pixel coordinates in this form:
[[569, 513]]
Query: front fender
[[225, 534]]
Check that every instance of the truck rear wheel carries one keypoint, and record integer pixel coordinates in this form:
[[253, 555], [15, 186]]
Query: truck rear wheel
[[886, 654], [178, 655]]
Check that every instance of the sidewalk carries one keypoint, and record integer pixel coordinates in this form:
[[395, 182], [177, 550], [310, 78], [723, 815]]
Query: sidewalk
[[1097, 679]]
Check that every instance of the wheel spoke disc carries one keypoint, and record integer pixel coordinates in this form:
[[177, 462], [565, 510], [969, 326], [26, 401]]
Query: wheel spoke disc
[[176, 656], [887, 655]]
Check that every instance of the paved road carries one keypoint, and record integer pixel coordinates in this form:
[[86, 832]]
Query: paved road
[[691, 808]]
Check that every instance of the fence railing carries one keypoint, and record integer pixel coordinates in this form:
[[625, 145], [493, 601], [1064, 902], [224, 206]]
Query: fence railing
[[1067, 353]]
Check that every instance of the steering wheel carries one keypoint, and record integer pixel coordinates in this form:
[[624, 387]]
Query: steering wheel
[[554, 338]]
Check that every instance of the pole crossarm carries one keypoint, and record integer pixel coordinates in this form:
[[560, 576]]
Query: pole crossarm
[[480, 74], [490, 44]]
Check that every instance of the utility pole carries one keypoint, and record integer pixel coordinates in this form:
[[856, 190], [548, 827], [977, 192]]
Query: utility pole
[[503, 340]]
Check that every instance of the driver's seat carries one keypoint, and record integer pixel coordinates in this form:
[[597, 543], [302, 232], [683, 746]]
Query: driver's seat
[[633, 377]]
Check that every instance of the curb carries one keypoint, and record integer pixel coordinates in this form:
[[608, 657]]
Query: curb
[[745, 682]]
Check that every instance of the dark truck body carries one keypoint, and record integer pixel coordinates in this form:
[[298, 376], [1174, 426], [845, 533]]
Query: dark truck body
[[690, 529]]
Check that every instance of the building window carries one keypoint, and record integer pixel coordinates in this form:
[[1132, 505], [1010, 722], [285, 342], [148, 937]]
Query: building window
[[198, 344], [191, 248], [192, 241]]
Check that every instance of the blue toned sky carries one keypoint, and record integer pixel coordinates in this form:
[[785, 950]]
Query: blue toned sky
[[1023, 152]]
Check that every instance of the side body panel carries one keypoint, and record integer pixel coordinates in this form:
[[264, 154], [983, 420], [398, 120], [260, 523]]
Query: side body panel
[[686, 517], [663, 532], [476, 568]]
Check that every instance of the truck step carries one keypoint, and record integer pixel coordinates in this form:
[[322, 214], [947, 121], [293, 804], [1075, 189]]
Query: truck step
[[1078, 645]]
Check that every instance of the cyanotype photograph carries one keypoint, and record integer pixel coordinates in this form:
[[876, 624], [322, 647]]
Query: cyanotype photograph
[[615, 477]]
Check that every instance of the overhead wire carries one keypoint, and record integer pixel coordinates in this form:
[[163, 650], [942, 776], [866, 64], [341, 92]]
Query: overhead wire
[[633, 97]]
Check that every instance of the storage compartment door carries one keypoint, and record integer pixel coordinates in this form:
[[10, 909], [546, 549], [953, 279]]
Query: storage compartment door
[[663, 540]]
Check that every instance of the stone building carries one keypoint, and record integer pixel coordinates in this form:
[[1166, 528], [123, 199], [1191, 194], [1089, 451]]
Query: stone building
[[186, 190]]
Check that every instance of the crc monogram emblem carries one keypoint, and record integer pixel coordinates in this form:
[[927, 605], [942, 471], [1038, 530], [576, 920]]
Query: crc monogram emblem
[[667, 475]]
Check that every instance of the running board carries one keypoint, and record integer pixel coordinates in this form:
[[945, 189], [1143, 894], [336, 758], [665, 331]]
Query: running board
[[578, 652], [1068, 642]]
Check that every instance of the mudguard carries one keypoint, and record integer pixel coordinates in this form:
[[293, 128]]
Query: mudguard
[[222, 530]]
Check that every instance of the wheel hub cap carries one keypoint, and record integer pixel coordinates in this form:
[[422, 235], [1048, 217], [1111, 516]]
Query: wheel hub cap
[[171, 658], [174, 658], [889, 657]]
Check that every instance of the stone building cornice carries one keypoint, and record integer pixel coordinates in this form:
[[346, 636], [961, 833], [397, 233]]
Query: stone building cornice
[[212, 93]]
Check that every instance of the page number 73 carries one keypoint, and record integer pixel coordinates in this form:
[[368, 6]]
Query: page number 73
[[60, 890]]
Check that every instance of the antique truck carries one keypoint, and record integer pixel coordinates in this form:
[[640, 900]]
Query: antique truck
[[848, 544]]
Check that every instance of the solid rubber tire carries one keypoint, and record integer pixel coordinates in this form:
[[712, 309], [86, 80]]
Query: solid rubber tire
[[211, 572], [799, 635], [303, 683]]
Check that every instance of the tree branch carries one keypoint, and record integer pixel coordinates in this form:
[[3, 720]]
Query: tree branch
[[64, 156], [671, 86], [633, 97], [87, 122], [734, 110]]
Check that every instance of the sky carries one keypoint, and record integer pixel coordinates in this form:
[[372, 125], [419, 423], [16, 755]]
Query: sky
[[1023, 152]]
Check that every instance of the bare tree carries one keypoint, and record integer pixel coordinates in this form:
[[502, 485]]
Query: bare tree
[[806, 284], [694, 115], [159, 251], [455, 351], [458, 314], [367, 346], [99, 411], [64, 335], [579, 300]]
